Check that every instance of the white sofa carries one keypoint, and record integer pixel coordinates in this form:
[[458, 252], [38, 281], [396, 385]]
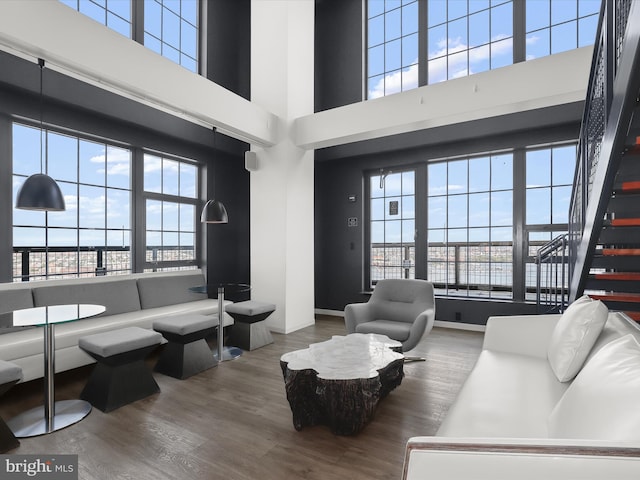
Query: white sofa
[[513, 418], [130, 300]]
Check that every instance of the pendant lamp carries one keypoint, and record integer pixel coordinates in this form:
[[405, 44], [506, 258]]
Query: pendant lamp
[[40, 191], [214, 210]]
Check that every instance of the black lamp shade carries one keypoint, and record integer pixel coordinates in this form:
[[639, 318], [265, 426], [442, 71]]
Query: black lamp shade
[[214, 212], [40, 192]]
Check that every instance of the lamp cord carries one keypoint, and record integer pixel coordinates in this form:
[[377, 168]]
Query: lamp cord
[[41, 64], [215, 160]]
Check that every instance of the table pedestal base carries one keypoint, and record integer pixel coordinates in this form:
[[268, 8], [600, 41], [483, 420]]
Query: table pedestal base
[[33, 422], [228, 353]]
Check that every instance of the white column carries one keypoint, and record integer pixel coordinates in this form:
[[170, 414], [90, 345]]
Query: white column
[[282, 253]]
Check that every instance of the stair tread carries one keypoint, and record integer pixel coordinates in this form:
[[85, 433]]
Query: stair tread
[[617, 276], [616, 296], [632, 186], [633, 315], [612, 252], [622, 222]]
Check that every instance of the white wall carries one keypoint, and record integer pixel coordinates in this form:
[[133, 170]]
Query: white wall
[[282, 222]]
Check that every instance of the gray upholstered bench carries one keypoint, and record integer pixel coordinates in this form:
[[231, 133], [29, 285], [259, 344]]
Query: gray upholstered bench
[[186, 352], [120, 376], [10, 374], [249, 330]]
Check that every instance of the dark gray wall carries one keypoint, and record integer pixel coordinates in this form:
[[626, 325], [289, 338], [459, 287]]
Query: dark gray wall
[[229, 51], [338, 53], [340, 172], [228, 247]]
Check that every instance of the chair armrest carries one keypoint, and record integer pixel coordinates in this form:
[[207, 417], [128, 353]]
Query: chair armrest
[[447, 458], [356, 313], [420, 327], [523, 334]]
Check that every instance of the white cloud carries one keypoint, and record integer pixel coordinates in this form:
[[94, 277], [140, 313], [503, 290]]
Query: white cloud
[[118, 161], [442, 68], [396, 82], [152, 164], [92, 205]]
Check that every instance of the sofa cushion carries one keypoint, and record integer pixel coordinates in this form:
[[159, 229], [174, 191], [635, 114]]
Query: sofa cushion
[[392, 329], [574, 336], [185, 324], [117, 295], [505, 395], [114, 342], [162, 290], [602, 402]]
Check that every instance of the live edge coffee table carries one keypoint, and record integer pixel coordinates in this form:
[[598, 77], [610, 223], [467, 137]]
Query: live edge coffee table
[[340, 382]]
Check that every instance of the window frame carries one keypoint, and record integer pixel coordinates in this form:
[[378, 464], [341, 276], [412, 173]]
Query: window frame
[[518, 38], [137, 27], [102, 252], [520, 230], [196, 202]]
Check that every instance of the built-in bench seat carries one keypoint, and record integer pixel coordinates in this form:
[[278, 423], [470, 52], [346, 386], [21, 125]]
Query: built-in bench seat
[[135, 300]]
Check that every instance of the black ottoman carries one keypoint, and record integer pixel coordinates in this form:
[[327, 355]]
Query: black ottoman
[[187, 351], [120, 376], [249, 330], [10, 374]]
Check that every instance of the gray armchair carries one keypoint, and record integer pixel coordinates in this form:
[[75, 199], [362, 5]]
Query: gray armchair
[[402, 309]]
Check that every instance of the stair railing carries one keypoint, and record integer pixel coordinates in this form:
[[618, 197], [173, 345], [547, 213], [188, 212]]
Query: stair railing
[[552, 282], [614, 83]]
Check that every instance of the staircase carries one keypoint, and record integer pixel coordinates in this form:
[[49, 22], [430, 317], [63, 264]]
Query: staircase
[[604, 215], [614, 276]]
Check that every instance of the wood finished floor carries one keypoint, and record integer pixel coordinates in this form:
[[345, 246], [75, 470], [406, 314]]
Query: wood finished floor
[[234, 422]]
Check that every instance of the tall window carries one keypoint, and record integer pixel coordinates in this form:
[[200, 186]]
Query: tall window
[[470, 226], [93, 235], [554, 26], [170, 26], [468, 37], [392, 212], [171, 198], [171, 29], [392, 46], [464, 37], [115, 14], [549, 182]]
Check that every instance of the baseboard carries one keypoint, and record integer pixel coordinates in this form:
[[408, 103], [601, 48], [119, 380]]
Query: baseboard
[[285, 332], [438, 323], [459, 326], [334, 313]]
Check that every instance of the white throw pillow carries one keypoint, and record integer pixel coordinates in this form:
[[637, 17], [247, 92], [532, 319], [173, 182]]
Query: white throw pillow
[[574, 336], [602, 402]]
